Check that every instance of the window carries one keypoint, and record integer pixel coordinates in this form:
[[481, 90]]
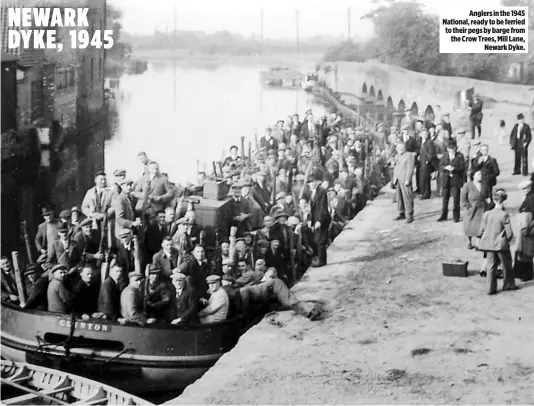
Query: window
[[65, 77]]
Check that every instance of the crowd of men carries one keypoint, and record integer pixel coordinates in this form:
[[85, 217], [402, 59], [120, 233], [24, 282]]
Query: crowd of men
[[288, 199]]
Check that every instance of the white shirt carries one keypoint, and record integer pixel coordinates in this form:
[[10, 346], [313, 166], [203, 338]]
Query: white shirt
[[217, 308]]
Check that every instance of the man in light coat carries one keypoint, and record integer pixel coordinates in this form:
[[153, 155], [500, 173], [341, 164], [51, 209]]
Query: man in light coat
[[402, 179], [124, 212], [217, 306], [97, 200]]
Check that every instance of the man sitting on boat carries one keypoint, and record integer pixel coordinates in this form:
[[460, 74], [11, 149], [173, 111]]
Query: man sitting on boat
[[58, 296], [184, 302], [132, 302], [86, 291], [216, 308], [158, 299], [109, 299], [9, 286]]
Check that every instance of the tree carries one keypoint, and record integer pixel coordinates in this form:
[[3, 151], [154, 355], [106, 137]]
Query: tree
[[408, 37]]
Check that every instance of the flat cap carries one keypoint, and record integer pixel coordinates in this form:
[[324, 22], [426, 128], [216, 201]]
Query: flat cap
[[58, 268], [178, 276], [263, 243], [124, 233], [126, 181], [236, 186], [86, 222], [154, 269], [63, 228], [281, 214], [100, 173], [293, 221], [65, 214], [213, 278], [135, 275], [181, 220], [119, 172], [75, 209], [280, 195], [233, 147], [273, 237]]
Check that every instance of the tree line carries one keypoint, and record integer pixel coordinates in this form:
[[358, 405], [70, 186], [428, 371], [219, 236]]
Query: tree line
[[408, 36]]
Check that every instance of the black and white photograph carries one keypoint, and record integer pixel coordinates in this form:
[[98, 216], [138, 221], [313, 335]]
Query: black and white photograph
[[253, 202]]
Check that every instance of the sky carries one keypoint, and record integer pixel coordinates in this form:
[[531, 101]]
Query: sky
[[317, 17]]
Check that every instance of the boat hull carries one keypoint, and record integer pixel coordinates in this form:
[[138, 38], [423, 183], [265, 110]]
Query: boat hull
[[132, 358]]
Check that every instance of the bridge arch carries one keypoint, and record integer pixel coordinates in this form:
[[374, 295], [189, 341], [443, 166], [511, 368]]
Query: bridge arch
[[414, 109], [429, 114], [389, 103], [380, 96], [364, 88], [372, 92], [402, 106]]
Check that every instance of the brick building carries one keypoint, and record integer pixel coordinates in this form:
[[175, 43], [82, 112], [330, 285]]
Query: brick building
[[66, 90]]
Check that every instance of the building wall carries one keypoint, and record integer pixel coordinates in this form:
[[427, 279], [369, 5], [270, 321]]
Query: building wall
[[9, 96]]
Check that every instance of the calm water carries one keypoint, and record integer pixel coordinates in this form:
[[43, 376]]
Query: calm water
[[210, 109]]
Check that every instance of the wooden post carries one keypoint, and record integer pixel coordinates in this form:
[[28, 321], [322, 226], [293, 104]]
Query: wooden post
[[27, 242], [18, 278], [137, 259], [147, 274]]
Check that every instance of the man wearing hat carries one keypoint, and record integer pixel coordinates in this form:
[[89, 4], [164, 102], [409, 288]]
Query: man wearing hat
[[452, 179], [520, 139], [76, 216], [97, 200], [216, 308], [46, 232], [58, 296], [126, 252], [320, 217], [240, 210], [489, 169], [116, 189], [132, 306], [159, 295], [166, 259], [86, 290], [88, 241], [123, 206], [152, 191], [184, 303], [64, 251], [475, 116], [282, 232], [256, 211]]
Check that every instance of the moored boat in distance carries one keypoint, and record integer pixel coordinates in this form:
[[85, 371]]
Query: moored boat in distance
[[309, 81], [281, 77], [156, 357], [23, 383]]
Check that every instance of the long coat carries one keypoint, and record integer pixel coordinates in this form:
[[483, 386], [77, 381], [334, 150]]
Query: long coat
[[404, 167], [473, 201], [91, 204], [524, 137], [46, 236], [320, 212]]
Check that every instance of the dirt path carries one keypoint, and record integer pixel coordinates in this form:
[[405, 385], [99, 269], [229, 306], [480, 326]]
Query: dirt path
[[398, 331]]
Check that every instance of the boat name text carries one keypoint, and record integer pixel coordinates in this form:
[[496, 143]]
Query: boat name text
[[104, 328]]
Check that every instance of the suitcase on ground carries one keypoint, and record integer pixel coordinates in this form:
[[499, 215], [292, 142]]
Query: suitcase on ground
[[458, 268], [523, 269]]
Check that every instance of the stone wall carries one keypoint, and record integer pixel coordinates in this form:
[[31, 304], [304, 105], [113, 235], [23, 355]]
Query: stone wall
[[401, 89]]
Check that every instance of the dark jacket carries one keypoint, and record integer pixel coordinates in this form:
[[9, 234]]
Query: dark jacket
[[490, 170], [457, 178], [109, 299], [236, 304], [320, 212], [427, 154], [85, 298], [196, 276], [524, 137], [185, 307]]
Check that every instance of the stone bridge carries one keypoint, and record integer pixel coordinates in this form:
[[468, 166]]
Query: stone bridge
[[428, 96]]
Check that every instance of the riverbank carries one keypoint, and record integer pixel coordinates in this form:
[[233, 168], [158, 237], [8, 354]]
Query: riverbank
[[397, 330], [183, 57]]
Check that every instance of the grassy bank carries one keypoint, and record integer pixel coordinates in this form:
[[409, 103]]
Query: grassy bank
[[398, 331]]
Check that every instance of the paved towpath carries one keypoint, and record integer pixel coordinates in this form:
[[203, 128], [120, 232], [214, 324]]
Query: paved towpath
[[398, 330]]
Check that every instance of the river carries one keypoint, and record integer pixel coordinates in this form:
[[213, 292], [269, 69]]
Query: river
[[206, 111]]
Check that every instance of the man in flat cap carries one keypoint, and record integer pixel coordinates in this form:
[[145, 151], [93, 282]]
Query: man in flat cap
[[88, 241], [97, 200], [47, 233], [216, 308], [132, 302], [520, 139], [125, 218], [152, 192], [184, 304], [119, 175], [64, 250], [159, 295], [268, 141], [240, 210], [109, 299], [59, 297], [452, 179]]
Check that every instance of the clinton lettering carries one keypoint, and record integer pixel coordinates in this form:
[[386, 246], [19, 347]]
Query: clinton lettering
[[83, 325]]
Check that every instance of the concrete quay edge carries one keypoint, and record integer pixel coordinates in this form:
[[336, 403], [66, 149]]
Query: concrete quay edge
[[317, 284]]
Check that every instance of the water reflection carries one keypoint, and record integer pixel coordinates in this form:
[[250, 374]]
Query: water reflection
[[206, 112]]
